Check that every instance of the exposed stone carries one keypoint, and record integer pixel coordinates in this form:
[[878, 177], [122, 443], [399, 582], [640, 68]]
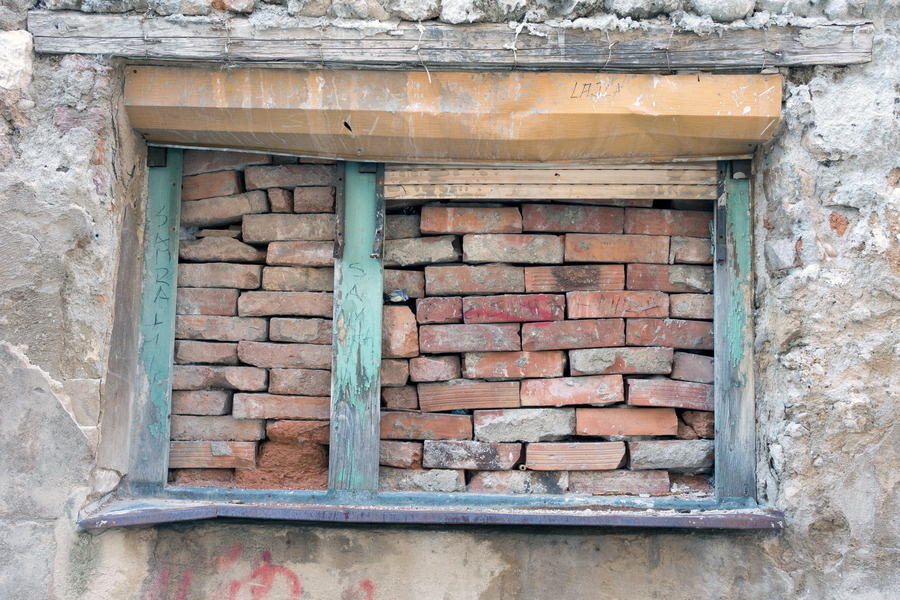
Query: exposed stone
[[678, 456], [641, 9], [414, 10], [524, 424], [429, 480], [723, 11]]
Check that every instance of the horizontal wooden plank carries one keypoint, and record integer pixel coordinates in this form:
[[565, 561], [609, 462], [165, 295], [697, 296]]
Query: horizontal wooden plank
[[548, 191], [395, 175], [581, 456], [212, 455]]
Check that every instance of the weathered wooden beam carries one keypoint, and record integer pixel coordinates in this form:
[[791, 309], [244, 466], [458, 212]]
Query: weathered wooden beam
[[447, 47]]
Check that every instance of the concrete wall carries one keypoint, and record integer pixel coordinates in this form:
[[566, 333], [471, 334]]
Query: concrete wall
[[827, 194]]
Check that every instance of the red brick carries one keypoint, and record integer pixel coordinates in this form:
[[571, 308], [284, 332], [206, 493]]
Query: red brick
[[655, 221], [219, 329], [201, 402], [693, 367], [288, 176], [408, 252], [518, 482], [583, 456], [456, 280], [284, 228], [210, 185], [690, 250], [300, 382], [219, 249], [297, 304], [313, 199], [625, 421], [459, 220], [421, 480], [619, 482], [195, 428], [670, 333], [609, 248], [670, 278], [412, 282], [400, 398], [646, 361], [220, 275], [439, 310], [298, 279], [702, 422], [452, 454], [414, 426], [207, 161], [685, 432], [690, 484], [513, 365], [561, 218], [302, 331], [398, 227], [570, 278], [222, 211], [512, 248], [217, 478], [394, 372], [198, 377], [268, 406], [212, 455], [440, 339], [462, 394], [302, 254], [399, 333], [434, 368], [288, 466], [562, 335], [280, 201], [514, 308], [206, 301], [608, 305], [684, 456], [214, 353], [676, 394], [405, 455], [285, 431], [285, 356], [691, 306], [564, 391]]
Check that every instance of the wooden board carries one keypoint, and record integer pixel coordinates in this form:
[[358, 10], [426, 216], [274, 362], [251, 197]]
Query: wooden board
[[582, 456], [212, 455]]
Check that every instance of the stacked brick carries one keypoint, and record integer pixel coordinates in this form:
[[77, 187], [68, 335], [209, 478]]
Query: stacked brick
[[548, 348]]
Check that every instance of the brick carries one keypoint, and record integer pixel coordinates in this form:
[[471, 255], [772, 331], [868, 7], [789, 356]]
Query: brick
[[206, 301], [604, 361], [671, 333], [414, 426], [194, 428], [690, 250], [610, 248], [428, 480], [685, 431], [518, 482], [562, 335], [583, 456], [410, 252], [670, 278], [302, 254], [212, 455], [280, 201], [691, 306], [400, 398], [439, 310], [219, 275], [562, 218], [288, 466], [210, 185], [219, 329], [219, 249], [213, 353], [300, 382], [596, 390], [296, 304], [441, 339], [197, 377], [222, 211], [412, 282], [463, 394], [514, 308], [401, 226], [676, 394], [513, 365], [207, 161], [693, 367], [702, 423], [690, 484], [289, 431], [524, 424], [394, 372], [270, 406], [288, 176], [655, 221], [626, 421], [302, 331], [285, 228], [399, 333], [679, 456], [459, 220], [434, 368], [619, 482], [404, 455], [201, 402], [512, 248], [608, 305], [229, 233], [453, 454], [456, 280], [570, 278], [298, 279], [217, 478], [318, 199], [285, 356]]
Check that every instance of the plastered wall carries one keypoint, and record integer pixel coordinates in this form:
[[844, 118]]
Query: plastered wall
[[827, 251]]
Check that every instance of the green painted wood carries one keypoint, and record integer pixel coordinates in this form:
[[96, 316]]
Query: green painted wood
[[355, 379], [149, 453], [735, 470]]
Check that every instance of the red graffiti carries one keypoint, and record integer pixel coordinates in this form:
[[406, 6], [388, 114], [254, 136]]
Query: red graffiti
[[160, 589], [263, 578], [364, 590]]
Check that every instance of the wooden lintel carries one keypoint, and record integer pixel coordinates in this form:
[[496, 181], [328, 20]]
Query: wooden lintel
[[662, 48]]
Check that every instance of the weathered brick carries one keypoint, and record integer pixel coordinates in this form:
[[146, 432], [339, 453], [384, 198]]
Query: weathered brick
[[671, 333], [412, 282], [608, 305], [219, 249], [269, 406], [231, 232], [619, 482], [219, 329], [314, 199], [426, 480], [453, 454], [464, 394], [602, 361], [280, 201], [439, 310], [284, 228], [562, 335], [665, 392], [514, 308], [222, 211], [409, 252], [690, 484], [201, 402], [693, 367], [562, 218], [210, 185], [512, 248], [206, 301], [513, 365], [198, 377], [400, 398], [285, 356], [288, 176], [690, 250], [691, 306], [207, 161], [597, 390], [434, 368], [679, 456], [456, 280], [655, 221], [399, 333], [611, 248], [524, 424], [582, 456], [670, 278], [298, 279], [220, 275], [213, 353], [212, 455], [441, 339], [295, 304], [626, 421], [302, 254], [302, 331], [570, 278], [415, 426], [217, 478], [195, 428], [518, 482], [459, 220], [397, 227], [288, 431], [300, 382], [703, 423], [394, 372], [288, 466], [404, 455]]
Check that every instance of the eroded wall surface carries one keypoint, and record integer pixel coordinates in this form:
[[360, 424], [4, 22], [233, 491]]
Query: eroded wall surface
[[827, 239]]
